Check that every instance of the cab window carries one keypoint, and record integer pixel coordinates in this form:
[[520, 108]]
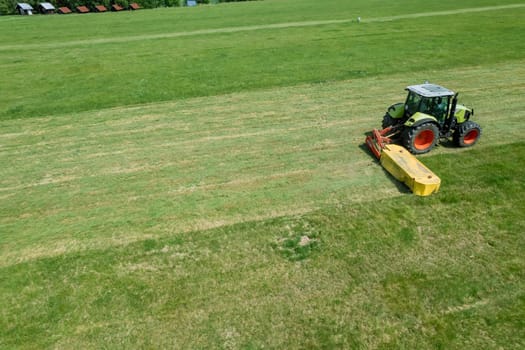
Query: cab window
[[438, 107], [412, 103]]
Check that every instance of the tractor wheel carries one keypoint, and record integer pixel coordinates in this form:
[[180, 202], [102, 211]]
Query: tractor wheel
[[467, 134], [421, 139], [388, 121]]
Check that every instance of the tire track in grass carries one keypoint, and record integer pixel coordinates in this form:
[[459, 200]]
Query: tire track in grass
[[61, 179], [28, 151], [228, 30], [66, 246], [443, 13]]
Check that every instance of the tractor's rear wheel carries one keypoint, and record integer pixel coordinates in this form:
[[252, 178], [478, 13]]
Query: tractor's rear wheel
[[467, 134], [421, 139]]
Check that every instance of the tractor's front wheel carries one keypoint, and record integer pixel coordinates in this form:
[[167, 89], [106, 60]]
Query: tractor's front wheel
[[389, 121], [467, 134], [421, 139]]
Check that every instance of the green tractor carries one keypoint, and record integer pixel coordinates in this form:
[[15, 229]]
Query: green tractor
[[430, 113]]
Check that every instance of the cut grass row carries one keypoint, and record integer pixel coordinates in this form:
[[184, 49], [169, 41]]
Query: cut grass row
[[64, 29], [179, 224], [92, 180], [407, 272], [89, 75]]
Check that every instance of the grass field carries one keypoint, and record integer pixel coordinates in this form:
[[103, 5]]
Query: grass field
[[197, 179]]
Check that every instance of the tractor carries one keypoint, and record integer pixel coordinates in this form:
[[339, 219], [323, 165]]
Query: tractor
[[430, 113]]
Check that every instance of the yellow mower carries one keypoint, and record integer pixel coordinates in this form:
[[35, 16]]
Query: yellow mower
[[429, 114]]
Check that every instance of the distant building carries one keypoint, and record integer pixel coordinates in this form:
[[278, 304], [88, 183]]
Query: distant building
[[64, 10], [24, 8], [82, 9], [46, 8], [100, 8]]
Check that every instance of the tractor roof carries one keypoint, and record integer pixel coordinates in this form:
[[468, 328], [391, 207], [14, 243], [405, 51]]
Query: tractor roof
[[430, 90]]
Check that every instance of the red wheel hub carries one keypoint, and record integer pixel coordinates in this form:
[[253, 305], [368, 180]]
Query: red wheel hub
[[471, 137], [424, 140]]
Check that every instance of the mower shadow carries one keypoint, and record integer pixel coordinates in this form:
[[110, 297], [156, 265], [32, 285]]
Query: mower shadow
[[402, 188]]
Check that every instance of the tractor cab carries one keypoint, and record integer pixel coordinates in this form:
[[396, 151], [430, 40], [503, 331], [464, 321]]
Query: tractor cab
[[430, 99]]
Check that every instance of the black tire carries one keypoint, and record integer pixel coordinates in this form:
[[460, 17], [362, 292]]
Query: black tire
[[389, 121], [467, 134], [421, 139]]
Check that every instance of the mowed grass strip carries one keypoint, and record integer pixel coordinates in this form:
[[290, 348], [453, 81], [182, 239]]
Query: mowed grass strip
[[57, 30], [93, 180], [256, 218], [89, 72], [444, 271]]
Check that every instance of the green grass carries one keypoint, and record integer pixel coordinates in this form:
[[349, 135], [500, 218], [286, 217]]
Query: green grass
[[59, 70], [212, 190], [423, 276]]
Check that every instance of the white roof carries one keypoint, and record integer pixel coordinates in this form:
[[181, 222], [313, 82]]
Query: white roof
[[47, 5], [430, 90], [24, 6]]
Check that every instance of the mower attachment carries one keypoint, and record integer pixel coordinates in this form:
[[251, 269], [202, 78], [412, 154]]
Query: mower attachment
[[379, 138], [401, 164], [408, 169]]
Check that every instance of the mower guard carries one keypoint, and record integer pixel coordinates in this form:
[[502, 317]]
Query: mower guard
[[405, 167], [401, 164]]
